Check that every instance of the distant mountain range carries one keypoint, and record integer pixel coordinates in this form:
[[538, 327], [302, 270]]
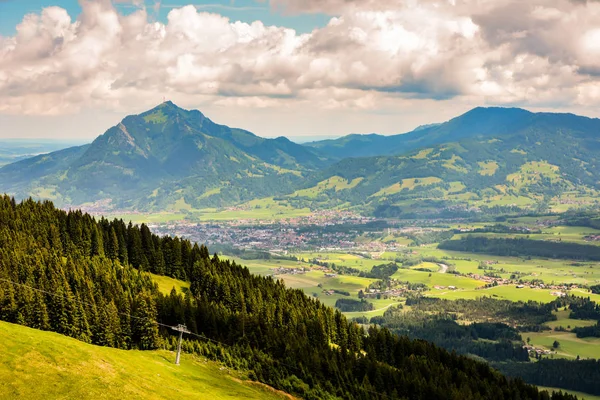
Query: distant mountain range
[[170, 158], [13, 150], [487, 157]]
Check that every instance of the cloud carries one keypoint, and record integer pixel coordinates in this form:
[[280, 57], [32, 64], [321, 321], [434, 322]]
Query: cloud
[[371, 53]]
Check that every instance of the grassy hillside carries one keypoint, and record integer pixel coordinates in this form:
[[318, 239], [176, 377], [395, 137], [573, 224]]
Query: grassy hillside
[[44, 365]]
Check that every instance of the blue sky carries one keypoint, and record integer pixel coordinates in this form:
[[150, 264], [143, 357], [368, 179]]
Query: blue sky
[[13, 11]]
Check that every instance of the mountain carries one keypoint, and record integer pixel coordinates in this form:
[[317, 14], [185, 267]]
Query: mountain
[[484, 159], [164, 156], [168, 158], [479, 122]]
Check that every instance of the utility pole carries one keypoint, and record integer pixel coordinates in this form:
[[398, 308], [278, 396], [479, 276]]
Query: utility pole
[[181, 329]]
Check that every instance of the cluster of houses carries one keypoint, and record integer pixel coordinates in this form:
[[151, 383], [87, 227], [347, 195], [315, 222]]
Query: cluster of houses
[[592, 238], [444, 287], [492, 280], [559, 290], [288, 271], [534, 350], [400, 291]]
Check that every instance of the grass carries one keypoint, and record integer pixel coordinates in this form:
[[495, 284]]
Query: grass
[[166, 284], [408, 184], [488, 168], [548, 270], [157, 117], [209, 193], [140, 218], [348, 260], [335, 182], [451, 164], [314, 282], [422, 154], [259, 209], [180, 205], [570, 345], [532, 172], [500, 292], [567, 323], [44, 365]]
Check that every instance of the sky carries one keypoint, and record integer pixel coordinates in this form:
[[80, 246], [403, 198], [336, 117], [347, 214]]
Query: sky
[[299, 68]]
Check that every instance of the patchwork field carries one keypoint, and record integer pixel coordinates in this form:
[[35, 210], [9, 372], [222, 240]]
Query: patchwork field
[[458, 285]]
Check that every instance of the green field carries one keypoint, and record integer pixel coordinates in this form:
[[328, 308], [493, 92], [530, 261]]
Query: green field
[[549, 271], [570, 345], [166, 284], [310, 281], [140, 218], [44, 365], [565, 322], [349, 260]]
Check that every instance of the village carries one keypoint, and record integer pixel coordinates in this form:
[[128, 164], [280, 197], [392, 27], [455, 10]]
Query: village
[[322, 231]]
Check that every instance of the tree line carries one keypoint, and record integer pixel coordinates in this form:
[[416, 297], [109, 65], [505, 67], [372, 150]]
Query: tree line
[[523, 248]]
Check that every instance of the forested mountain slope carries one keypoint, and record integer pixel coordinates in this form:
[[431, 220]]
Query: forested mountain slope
[[490, 158], [68, 273], [160, 157], [479, 123], [173, 159]]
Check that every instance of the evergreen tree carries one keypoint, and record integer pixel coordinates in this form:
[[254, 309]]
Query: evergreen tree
[[145, 331]]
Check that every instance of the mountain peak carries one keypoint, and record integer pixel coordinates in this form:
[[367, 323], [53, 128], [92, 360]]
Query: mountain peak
[[166, 105]]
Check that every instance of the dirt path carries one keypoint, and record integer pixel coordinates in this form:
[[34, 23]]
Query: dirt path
[[443, 268]]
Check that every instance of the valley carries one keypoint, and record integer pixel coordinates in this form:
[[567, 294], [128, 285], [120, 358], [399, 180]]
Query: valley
[[334, 262], [476, 235], [300, 200]]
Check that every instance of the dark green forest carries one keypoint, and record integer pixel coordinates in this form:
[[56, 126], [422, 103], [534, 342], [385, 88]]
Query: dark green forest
[[523, 248], [491, 341], [580, 375], [68, 273]]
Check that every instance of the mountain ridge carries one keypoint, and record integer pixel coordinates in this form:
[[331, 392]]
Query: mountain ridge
[[486, 158], [495, 120], [168, 158]]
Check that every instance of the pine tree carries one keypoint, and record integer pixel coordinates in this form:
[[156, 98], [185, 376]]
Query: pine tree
[[145, 329], [97, 242]]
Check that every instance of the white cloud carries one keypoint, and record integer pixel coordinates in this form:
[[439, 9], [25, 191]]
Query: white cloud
[[372, 54]]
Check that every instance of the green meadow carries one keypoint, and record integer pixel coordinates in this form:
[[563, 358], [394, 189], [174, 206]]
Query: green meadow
[[44, 365], [166, 284]]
